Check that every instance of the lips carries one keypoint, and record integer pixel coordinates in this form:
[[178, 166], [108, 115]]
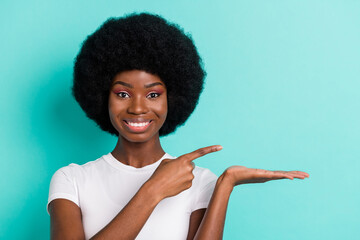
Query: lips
[[137, 125]]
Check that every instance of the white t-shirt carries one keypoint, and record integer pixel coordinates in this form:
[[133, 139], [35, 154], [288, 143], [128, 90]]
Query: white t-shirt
[[101, 188]]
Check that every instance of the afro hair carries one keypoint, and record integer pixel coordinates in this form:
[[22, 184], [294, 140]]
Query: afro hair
[[138, 42]]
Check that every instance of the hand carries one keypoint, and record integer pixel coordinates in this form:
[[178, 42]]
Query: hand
[[175, 175], [236, 175]]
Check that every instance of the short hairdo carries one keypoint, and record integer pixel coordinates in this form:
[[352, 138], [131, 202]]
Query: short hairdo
[[138, 42]]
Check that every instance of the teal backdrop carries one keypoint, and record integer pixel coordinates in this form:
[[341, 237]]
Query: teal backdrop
[[282, 92]]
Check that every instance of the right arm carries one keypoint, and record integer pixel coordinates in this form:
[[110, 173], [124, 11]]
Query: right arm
[[132, 217], [66, 220]]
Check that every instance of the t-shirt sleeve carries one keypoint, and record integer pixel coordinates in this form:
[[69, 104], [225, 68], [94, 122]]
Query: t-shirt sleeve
[[207, 181], [63, 185]]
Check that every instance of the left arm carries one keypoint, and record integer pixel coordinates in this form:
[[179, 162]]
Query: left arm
[[195, 220], [211, 219], [212, 225]]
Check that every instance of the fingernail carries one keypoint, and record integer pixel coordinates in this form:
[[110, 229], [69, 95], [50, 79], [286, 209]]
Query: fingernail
[[219, 148]]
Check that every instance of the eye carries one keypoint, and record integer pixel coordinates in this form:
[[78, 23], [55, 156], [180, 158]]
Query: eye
[[153, 95], [123, 94]]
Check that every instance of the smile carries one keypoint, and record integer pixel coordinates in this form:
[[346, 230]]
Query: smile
[[137, 126]]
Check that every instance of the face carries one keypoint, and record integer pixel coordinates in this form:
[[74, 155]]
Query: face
[[137, 105]]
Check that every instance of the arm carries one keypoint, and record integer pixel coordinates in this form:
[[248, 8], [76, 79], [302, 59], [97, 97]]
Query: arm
[[66, 220], [132, 217], [212, 226], [195, 220]]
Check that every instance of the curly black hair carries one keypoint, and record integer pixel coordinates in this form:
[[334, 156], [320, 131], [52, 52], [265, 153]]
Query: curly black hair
[[144, 42]]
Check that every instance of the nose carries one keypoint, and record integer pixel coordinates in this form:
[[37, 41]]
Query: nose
[[138, 106]]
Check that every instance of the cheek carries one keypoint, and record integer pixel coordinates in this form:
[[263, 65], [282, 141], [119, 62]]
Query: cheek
[[112, 116], [114, 109], [162, 109]]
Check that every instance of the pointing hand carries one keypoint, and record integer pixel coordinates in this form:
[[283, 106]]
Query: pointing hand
[[175, 175]]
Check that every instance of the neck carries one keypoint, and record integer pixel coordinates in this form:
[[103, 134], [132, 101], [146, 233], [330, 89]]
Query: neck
[[138, 154]]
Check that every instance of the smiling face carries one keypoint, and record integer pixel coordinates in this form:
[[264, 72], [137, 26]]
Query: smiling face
[[137, 105]]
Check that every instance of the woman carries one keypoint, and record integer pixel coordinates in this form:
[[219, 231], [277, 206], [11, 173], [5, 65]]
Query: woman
[[139, 78]]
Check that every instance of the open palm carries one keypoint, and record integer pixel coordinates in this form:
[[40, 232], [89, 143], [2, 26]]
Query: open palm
[[242, 175]]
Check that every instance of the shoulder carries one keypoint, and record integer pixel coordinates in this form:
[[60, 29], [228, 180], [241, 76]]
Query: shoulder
[[204, 176], [204, 172], [78, 170], [202, 188]]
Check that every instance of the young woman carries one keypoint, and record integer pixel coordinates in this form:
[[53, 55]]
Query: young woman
[[139, 77]]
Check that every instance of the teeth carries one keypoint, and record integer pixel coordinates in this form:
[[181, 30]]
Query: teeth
[[143, 124]]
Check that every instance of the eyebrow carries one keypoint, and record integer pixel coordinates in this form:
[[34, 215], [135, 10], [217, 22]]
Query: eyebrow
[[153, 84], [131, 86]]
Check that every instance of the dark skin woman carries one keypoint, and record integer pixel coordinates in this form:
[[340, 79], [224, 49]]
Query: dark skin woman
[[138, 108], [140, 97]]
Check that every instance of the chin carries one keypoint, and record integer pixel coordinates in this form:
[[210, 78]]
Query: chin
[[139, 137]]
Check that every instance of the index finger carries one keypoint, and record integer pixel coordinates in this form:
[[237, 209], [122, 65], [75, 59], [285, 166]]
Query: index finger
[[200, 152]]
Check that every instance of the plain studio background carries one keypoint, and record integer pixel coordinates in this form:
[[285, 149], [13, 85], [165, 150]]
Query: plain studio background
[[282, 92]]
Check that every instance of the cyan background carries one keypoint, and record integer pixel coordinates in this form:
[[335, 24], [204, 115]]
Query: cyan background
[[282, 92]]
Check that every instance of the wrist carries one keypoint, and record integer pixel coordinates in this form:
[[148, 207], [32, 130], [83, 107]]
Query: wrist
[[151, 193], [224, 182]]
